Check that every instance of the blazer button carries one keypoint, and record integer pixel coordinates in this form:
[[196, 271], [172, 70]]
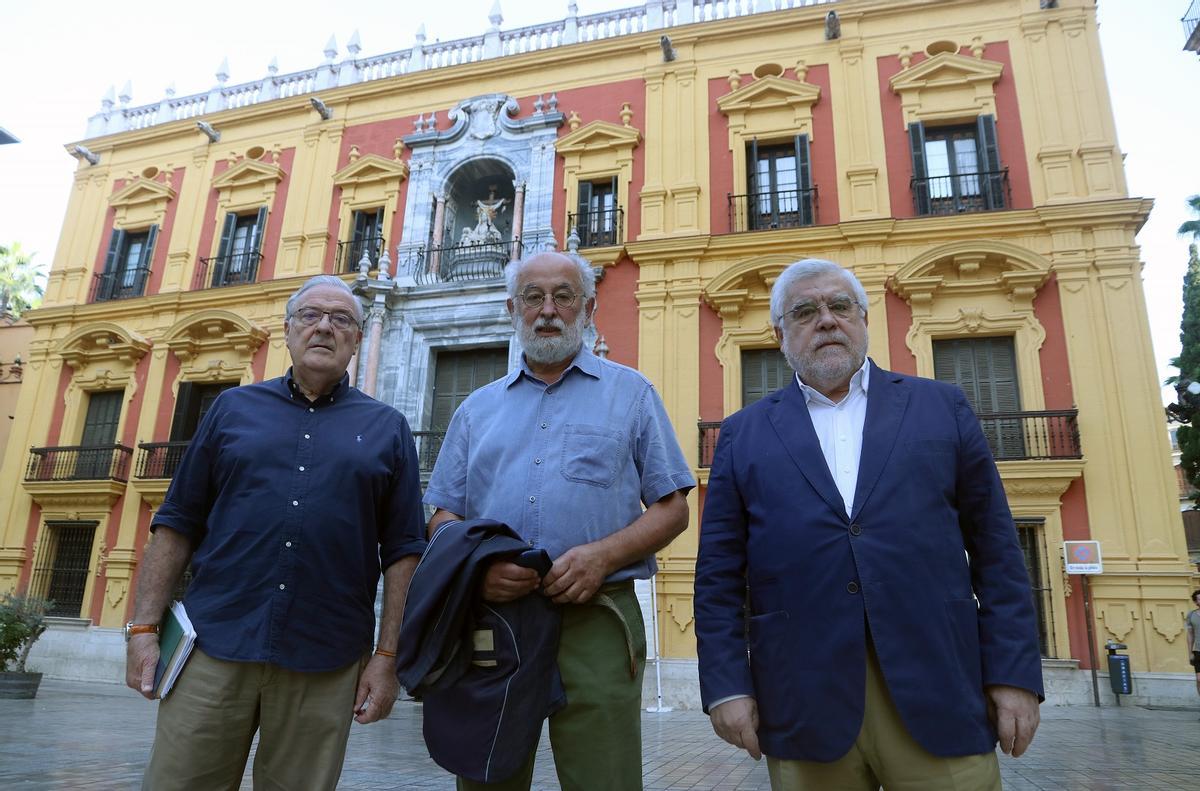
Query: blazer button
[[855, 530], [851, 587]]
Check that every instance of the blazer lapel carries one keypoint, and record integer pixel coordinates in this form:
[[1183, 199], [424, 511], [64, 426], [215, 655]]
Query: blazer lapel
[[790, 418], [887, 398]]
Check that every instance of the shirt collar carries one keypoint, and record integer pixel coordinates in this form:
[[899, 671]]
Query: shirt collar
[[860, 380], [338, 391], [584, 361]]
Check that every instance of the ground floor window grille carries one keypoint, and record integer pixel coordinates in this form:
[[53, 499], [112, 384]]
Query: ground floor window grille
[[61, 566], [1030, 533]]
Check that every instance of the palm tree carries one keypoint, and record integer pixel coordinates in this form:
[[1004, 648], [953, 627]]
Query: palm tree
[[1192, 227], [19, 286]]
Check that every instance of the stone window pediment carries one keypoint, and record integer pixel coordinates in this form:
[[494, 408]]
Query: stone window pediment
[[598, 136], [248, 172], [103, 343], [370, 169], [214, 330], [768, 93], [140, 203], [947, 88]]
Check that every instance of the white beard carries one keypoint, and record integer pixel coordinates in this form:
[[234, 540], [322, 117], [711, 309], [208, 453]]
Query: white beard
[[832, 367], [555, 348]]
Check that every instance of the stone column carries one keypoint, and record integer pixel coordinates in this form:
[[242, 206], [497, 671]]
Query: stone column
[[518, 220], [375, 336], [439, 229]]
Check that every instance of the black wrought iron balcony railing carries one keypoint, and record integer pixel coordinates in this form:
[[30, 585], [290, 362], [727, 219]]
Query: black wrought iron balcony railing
[[121, 284], [234, 269], [1012, 436], [766, 211], [79, 463], [961, 193], [429, 443], [463, 262], [159, 459], [350, 254], [599, 228]]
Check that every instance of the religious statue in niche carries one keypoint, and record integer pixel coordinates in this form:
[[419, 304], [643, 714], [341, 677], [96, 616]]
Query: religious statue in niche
[[485, 230]]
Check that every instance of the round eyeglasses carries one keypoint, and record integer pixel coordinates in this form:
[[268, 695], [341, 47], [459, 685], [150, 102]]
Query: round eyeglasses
[[806, 312], [534, 299], [340, 319]]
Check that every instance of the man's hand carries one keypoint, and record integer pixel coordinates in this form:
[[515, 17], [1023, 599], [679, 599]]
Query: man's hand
[[377, 689], [1014, 714], [736, 721], [505, 581], [141, 659], [577, 574]]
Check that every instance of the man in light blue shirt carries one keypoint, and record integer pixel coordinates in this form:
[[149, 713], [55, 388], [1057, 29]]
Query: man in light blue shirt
[[566, 450]]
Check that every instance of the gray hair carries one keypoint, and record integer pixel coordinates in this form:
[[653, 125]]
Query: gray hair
[[587, 275], [329, 281], [804, 269]]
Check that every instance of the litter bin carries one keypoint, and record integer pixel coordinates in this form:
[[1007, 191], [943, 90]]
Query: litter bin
[[1118, 670]]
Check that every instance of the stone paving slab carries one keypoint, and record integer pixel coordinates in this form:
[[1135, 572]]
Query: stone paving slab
[[97, 736]]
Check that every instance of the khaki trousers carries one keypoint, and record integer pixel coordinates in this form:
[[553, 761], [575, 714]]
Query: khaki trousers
[[597, 736], [207, 723], [885, 754]]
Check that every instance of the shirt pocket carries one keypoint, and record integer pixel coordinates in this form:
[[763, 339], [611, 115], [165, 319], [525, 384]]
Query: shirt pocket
[[590, 454]]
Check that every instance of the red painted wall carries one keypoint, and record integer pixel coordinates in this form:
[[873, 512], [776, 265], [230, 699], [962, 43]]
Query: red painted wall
[[209, 229], [617, 311], [159, 262], [602, 103], [1008, 131], [378, 138], [31, 531], [822, 149], [59, 406], [270, 245], [899, 321], [166, 401], [1055, 364], [712, 375]]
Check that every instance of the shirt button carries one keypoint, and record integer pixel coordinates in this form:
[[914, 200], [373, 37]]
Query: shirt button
[[855, 530], [282, 586], [295, 502], [301, 468], [287, 543], [543, 425], [307, 437], [537, 461], [851, 587], [310, 409], [532, 499]]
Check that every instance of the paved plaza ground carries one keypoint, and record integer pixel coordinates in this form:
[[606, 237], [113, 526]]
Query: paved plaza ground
[[95, 736]]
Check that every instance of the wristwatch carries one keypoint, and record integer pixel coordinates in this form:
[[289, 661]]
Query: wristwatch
[[139, 628]]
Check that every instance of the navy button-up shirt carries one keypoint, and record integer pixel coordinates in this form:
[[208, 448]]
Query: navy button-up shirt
[[293, 508]]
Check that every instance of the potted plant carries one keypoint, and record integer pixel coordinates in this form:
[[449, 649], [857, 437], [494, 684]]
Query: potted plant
[[22, 621]]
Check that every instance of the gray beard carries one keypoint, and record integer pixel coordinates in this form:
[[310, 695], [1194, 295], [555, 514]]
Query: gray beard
[[551, 350], [829, 371]]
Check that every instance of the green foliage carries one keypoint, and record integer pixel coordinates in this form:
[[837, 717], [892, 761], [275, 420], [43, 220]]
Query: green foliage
[[1192, 227], [22, 621], [1188, 363], [20, 286]]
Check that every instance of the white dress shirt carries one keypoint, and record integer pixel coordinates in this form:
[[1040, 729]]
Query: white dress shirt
[[839, 429]]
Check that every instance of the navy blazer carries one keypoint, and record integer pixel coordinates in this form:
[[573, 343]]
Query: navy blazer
[[928, 558]]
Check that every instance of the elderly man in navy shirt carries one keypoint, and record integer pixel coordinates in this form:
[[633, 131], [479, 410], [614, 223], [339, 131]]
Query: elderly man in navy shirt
[[291, 497], [566, 449]]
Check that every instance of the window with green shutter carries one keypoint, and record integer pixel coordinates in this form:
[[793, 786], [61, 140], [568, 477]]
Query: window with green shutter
[[763, 371], [986, 370]]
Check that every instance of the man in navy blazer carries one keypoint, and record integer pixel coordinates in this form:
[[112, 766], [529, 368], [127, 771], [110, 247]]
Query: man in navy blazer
[[891, 627]]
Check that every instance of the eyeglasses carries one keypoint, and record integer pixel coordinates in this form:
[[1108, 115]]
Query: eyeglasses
[[340, 319], [534, 299], [842, 307]]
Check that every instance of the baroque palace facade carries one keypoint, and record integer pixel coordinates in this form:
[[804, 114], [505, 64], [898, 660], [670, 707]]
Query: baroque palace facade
[[959, 155]]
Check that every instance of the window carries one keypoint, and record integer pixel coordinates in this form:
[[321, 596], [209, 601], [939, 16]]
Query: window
[[192, 405], [457, 374], [957, 168], [779, 186], [60, 570], [238, 255], [126, 265], [97, 448], [1029, 534], [367, 237], [763, 371], [986, 370], [599, 220]]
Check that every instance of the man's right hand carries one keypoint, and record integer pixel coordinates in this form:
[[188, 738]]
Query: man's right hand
[[141, 659], [736, 721], [506, 581]]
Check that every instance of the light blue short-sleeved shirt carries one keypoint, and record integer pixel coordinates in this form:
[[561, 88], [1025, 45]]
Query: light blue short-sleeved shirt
[[562, 464]]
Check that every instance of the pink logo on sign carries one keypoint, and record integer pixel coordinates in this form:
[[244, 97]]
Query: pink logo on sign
[[1083, 553]]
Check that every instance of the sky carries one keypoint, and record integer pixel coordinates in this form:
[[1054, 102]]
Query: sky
[[58, 60]]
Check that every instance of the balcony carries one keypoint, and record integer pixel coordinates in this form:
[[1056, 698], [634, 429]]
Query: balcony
[[234, 269], [599, 228], [159, 459], [1191, 27], [961, 193], [429, 443], [349, 254], [1012, 436], [463, 262], [121, 284], [79, 463], [768, 211]]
